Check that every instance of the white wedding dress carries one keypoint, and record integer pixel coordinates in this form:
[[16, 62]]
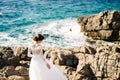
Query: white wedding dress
[[38, 69]]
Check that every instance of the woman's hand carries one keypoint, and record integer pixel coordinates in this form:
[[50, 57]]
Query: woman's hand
[[48, 66]]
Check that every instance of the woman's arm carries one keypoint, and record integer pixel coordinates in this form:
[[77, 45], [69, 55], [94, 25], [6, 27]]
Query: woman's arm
[[29, 52], [43, 55]]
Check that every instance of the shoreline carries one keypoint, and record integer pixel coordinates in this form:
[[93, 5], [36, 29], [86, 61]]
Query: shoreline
[[88, 40]]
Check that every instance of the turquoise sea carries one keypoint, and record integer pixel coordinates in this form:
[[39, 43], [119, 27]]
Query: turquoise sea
[[21, 19]]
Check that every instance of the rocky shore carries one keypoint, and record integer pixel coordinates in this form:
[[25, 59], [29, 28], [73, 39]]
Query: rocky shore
[[102, 26], [85, 62], [97, 62]]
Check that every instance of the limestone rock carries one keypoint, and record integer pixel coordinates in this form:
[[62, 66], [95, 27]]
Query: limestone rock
[[84, 62], [21, 52], [3, 78], [7, 57], [102, 26], [10, 70], [14, 77]]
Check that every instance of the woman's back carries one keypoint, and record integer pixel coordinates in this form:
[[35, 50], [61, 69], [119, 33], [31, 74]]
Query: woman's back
[[36, 49]]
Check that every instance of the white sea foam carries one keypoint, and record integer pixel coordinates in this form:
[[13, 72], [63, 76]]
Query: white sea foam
[[63, 33], [60, 33], [1, 13]]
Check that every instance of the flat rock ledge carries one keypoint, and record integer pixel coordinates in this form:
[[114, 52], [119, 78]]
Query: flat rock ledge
[[79, 63], [102, 26]]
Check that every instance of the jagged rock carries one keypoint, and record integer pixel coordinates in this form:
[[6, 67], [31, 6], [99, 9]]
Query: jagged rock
[[21, 52], [87, 50], [85, 62], [24, 63], [106, 63], [84, 72], [10, 70], [14, 77], [23, 71], [3, 78], [102, 26], [116, 49], [75, 50], [7, 57]]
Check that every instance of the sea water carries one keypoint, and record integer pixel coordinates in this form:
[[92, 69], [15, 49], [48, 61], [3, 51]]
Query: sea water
[[55, 19]]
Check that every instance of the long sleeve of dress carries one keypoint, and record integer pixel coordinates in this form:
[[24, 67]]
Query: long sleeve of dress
[[29, 52], [42, 54]]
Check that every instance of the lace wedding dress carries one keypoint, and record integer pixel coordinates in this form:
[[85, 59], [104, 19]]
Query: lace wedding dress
[[38, 69]]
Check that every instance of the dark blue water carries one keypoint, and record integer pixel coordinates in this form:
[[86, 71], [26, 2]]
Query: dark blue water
[[20, 19]]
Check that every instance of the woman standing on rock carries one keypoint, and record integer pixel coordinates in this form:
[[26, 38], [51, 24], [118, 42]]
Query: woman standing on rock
[[40, 67]]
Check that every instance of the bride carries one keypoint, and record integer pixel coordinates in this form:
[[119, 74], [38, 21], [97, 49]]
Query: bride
[[40, 67]]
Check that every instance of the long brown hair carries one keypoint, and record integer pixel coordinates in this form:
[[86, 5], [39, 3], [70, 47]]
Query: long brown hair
[[38, 37]]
